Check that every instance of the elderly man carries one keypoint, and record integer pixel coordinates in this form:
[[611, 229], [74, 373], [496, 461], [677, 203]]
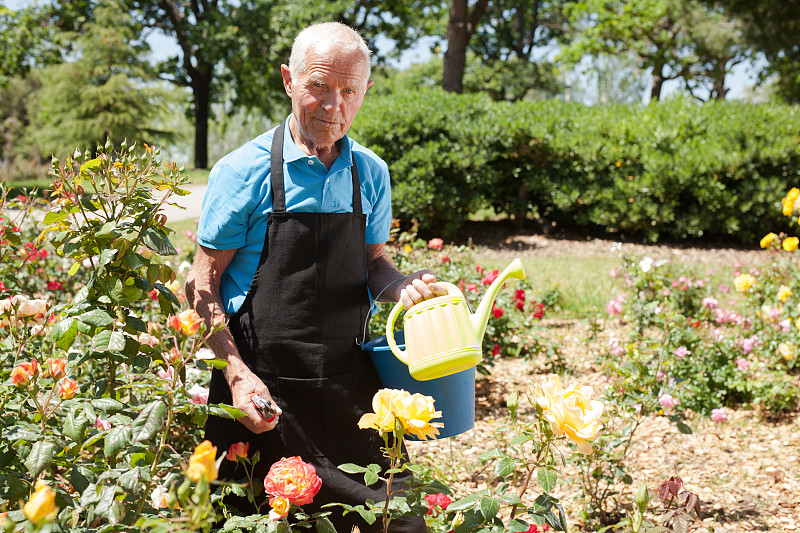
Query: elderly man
[[291, 237]]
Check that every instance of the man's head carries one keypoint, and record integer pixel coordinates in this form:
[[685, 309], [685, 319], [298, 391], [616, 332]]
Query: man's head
[[327, 77]]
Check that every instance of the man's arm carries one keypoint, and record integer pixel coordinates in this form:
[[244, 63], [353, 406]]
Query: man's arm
[[410, 289], [202, 291]]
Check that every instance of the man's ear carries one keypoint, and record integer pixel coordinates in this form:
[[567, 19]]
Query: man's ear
[[369, 84], [287, 80]]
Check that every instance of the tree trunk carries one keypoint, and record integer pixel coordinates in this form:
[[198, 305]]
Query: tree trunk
[[460, 28], [201, 89], [658, 83], [455, 58]]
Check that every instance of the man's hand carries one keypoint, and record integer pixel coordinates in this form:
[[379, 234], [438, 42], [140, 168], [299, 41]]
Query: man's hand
[[419, 287], [244, 385]]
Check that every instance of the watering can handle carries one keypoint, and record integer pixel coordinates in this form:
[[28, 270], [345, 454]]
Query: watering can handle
[[402, 355]]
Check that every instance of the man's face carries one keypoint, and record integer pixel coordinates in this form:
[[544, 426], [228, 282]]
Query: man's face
[[327, 96]]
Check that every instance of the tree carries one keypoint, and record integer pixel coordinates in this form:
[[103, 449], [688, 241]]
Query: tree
[[773, 28], [239, 42], [719, 46], [25, 43], [653, 30], [506, 42], [101, 95]]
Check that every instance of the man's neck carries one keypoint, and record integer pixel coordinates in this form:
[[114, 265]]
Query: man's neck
[[327, 154]]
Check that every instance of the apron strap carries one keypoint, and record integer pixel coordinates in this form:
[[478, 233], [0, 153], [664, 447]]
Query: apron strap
[[276, 171], [276, 176]]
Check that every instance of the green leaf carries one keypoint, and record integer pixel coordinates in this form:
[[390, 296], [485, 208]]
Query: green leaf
[[469, 501], [78, 477], [547, 479], [367, 514], [107, 405], [73, 269], [149, 421], [324, 525], [225, 411], [40, 458], [156, 240], [370, 478], [135, 323], [92, 164], [683, 428], [53, 217], [352, 468], [521, 439], [75, 424], [489, 508], [504, 467], [108, 341], [517, 526], [63, 333], [97, 318], [115, 440], [131, 480]]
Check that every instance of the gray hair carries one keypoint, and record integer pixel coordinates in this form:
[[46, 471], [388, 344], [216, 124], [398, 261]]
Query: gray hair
[[322, 37]]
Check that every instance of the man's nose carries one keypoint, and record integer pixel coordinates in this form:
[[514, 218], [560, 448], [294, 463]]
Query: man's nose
[[333, 100]]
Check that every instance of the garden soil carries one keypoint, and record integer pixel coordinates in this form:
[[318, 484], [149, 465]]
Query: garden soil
[[746, 470]]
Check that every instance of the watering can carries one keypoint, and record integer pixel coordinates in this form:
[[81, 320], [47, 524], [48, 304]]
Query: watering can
[[442, 337]]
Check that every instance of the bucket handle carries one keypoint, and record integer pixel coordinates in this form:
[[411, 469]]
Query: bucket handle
[[373, 306]]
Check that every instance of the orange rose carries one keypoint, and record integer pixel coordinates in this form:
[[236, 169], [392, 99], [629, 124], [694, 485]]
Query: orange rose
[[67, 388], [55, 368], [280, 508], [188, 322], [24, 373], [293, 479], [238, 450]]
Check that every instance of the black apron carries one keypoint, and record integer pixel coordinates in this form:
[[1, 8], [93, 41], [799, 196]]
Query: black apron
[[296, 330]]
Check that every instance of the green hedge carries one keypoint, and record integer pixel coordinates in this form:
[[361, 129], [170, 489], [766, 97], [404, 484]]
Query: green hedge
[[676, 169]]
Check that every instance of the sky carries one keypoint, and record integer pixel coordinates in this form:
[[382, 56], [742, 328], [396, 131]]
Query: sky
[[740, 81]]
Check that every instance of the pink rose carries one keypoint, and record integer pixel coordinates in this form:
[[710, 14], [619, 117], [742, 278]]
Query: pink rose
[[199, 394], [435, 244], [101, 423], [742, 364], [681, 352], [719, 415], [668, 401]]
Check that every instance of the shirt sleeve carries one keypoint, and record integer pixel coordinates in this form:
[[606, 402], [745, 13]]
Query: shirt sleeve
[[379, 222], [227, 206]]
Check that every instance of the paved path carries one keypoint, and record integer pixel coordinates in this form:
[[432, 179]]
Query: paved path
[[191, 202]]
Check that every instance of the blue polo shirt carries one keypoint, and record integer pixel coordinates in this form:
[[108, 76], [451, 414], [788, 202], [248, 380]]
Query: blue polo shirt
[[239, 199]]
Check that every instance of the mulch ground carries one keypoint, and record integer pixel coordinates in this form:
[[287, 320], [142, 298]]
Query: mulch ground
[[745, 470]]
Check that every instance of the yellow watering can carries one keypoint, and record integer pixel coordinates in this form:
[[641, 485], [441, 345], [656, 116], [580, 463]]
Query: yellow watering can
[[441, 335]]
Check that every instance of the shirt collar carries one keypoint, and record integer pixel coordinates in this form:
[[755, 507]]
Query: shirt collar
[[291, 152]]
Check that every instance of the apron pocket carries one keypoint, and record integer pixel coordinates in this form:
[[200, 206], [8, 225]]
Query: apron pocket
[[320, 417]]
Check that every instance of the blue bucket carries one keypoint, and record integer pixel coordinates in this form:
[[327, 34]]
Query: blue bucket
[[453, 395]]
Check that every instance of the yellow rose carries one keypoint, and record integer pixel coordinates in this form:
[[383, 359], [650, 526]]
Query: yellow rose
[[793, 193], [743, 282], [786, 351], [790, 244], [787, 206], [414, 411], [768, 239], [571, 412], [784, 292], [42, 505], [203, 462]]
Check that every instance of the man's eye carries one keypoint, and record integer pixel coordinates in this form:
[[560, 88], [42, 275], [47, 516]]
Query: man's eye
[[349, 91]]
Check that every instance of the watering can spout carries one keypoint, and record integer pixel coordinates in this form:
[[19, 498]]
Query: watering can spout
[[481, 316]]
